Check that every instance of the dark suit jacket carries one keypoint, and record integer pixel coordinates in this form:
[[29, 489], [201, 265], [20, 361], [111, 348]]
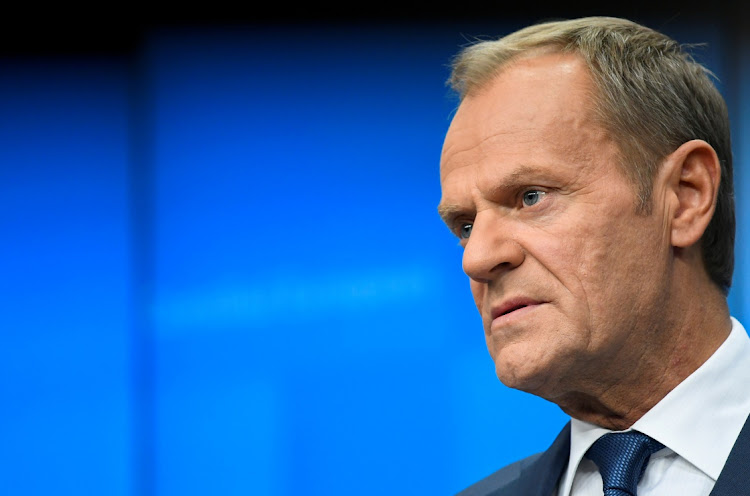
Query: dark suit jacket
[[538, 475]]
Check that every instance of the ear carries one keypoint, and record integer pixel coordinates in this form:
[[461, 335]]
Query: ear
[[693, 172]]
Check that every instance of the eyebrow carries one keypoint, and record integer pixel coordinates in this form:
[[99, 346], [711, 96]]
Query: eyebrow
[[517, 178], [520, 176], [449, 211]]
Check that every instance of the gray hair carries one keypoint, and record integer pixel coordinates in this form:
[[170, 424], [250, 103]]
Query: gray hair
[[651, 95]]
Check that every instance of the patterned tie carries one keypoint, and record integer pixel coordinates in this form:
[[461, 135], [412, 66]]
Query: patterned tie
[[622, 458]]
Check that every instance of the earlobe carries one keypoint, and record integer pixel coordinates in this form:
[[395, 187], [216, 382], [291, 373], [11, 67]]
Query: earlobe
[[695, 175]]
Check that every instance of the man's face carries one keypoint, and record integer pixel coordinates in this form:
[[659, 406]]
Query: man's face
[[569, 279]]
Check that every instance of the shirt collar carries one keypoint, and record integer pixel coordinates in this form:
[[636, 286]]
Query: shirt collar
[[681, 420]]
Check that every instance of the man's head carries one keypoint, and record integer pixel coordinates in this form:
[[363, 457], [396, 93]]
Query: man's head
[[582, 234], [649, 94]]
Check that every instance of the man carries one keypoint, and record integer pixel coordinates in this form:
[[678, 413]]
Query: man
[[587, 173]]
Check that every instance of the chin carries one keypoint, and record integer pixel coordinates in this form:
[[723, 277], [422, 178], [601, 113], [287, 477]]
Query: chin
[[526, 375], [523, 380]]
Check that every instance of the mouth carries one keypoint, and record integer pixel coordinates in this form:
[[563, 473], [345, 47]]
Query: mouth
[[512, 307]]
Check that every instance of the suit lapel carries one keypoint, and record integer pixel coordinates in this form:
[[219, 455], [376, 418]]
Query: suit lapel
[[540, 478], [735, 476]]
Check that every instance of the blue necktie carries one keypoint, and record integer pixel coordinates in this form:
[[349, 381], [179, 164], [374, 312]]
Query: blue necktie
[[622, 458]]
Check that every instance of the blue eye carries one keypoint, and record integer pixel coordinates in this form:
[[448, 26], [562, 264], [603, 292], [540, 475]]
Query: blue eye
[[532, 197], [465, 231]]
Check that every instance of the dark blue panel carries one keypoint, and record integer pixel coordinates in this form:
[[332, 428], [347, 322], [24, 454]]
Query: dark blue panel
[[739, 296]]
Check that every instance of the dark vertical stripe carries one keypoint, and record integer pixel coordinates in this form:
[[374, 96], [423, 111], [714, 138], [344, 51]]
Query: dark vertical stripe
[[734, 23]]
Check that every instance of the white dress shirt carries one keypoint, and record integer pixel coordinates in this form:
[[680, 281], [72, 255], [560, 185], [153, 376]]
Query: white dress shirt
[[698, 422]]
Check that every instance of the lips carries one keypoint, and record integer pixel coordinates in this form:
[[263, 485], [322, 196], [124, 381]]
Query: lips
[[512, 305]]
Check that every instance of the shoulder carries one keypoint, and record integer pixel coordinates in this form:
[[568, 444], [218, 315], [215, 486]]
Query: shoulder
[[536, 475], [502, 480]]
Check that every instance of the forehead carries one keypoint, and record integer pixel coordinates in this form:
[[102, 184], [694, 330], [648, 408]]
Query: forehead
[[537, 104]]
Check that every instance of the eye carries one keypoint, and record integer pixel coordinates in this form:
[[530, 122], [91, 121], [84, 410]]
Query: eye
[[532, 197], [464, 230]]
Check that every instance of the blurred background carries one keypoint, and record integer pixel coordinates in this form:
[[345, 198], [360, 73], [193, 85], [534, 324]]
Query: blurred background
[[222, 271]]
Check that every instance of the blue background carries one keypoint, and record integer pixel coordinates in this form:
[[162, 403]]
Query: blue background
[[223, 271]]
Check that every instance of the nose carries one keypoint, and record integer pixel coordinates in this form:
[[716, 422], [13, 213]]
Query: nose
[[490, 250]]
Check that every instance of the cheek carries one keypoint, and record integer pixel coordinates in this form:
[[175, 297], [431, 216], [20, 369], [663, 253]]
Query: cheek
[[477, 291], [584, 258], [612, 269]]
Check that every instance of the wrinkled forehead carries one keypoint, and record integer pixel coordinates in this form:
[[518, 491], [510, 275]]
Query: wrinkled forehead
[[545, 98]]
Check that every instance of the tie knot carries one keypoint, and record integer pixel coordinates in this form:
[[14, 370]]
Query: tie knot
[[622, 458]]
